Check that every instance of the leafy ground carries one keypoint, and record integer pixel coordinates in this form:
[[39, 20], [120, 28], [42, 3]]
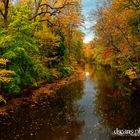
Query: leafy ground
[[46, 89]]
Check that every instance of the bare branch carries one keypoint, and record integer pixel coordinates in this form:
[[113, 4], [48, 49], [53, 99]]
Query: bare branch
[[55, 10], [1, 13]]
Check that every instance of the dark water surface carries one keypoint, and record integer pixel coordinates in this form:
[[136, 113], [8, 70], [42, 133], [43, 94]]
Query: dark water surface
[[84, 110]]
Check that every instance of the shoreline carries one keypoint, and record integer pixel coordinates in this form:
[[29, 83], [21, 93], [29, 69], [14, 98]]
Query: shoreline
[[47, 89]]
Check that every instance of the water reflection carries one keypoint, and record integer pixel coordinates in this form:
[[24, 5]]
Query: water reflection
[[117, 104], [51, 119], [92, 130], [84, 110]]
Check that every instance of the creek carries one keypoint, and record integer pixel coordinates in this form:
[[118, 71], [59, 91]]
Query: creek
[[83, 110]]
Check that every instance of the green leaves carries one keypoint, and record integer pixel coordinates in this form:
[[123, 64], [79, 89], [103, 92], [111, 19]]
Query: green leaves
[[19, 46], [65, 71], [10, 55], [33, 46]]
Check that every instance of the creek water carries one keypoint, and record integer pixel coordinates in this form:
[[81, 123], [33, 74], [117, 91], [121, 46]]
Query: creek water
[[83, 110]]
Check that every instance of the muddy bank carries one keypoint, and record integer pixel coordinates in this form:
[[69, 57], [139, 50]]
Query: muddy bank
[[47, 90]]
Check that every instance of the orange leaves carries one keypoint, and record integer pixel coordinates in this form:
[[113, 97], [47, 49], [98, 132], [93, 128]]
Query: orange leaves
[[5, 79], [3, 61], [70, 14], [124, 48], [3, 75], [3, 72], [117, 35], [73, 19], [62, 2], [107, 53]]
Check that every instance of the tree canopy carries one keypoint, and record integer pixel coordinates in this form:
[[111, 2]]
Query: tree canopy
[[38, 41]]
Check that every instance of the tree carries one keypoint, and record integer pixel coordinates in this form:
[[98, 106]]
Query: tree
[[18, 45], [115, 33], [35, 40], [4, 9]]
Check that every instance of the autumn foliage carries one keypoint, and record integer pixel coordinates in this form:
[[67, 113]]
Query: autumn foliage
[[117, 37], [39, 41], [3, 72]]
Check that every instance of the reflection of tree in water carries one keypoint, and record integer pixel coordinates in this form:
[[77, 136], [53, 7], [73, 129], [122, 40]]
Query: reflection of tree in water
[[73, 92], [116, 105], [108, 80], [51, 119], [115, 111]]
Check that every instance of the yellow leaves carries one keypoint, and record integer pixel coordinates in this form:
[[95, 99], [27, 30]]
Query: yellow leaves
[[1, 5], [70, 15], [3, 61], [47, 38], [4, 73], [61, 3], [131, 73], [56, 73], [2, 99], [5, 79]]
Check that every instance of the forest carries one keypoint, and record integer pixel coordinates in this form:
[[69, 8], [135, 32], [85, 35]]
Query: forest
[[67, 73], [117, 37], [40, 41]]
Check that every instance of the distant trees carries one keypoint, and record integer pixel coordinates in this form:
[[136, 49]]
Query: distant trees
[[117, 33]]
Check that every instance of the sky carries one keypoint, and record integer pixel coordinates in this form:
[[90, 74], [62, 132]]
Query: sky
[[87, 7]]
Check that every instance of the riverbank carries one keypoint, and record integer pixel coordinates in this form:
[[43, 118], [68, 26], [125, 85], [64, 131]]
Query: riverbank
[[47, 90]]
